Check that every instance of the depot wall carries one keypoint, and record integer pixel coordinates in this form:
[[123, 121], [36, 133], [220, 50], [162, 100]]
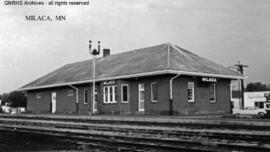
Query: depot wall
[[181, 106], [64, 103], [202, 104]]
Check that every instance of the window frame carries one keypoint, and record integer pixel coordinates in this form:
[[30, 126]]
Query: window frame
[[122, 93], [96, 94], [39, 95], [94, 104], [105, 94], [152, 95], [114, 94], [193, 92], [141, 89], [215, 93], [69, 93], [85, 98]]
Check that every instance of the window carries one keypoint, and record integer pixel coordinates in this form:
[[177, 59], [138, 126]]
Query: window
[[213, 92], [141, 97], [259, 104], [141, 91], [190, 91], [38, 95], [125, 93], [70, 93], [109, 95], [154, 93], [85, 97], [96, 94], [96, 99], [106, 94]]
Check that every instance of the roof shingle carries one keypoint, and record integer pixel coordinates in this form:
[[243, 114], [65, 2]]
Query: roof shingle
[[162, 57]]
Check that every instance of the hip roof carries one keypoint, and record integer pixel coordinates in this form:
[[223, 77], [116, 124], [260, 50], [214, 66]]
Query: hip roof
[[159, 59]]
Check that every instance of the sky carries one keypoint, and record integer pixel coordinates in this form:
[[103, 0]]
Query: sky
[[225, 31]]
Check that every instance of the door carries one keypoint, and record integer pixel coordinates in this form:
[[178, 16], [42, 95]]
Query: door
[[53, 109], [141, 97], [95, 102]]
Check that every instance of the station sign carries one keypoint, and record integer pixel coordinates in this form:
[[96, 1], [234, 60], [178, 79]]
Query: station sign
[[256, 95], [208, 79], [111, 82]]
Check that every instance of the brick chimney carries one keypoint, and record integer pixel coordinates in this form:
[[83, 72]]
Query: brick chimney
[[106, 52]]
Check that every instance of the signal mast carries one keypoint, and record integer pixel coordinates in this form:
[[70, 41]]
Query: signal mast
[[94, 53]]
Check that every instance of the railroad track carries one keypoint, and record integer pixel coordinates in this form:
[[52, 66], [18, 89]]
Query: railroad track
[[169, 132], [166, 138], [224, 125], [138, 142]]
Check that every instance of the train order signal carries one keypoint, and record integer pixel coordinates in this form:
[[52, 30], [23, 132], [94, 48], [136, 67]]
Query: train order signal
[[94, 51]]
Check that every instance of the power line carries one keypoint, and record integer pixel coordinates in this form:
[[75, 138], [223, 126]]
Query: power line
[[259, 76], [233, 66]]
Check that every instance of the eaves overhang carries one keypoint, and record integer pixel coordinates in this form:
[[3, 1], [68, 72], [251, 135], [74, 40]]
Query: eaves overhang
[[134, 76]]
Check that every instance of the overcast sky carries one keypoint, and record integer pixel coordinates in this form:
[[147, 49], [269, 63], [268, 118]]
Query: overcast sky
[[224, 31]]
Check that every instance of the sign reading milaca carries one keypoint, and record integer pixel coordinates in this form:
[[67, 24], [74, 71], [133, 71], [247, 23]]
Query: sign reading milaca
[[111, 82], [208, 79]]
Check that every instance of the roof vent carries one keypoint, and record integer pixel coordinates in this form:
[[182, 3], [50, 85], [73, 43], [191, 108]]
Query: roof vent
[[106, 52]]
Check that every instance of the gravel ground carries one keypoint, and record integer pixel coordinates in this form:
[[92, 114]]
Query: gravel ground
[[11, 141]]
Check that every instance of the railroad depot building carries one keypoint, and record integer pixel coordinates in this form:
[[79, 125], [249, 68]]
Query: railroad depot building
[[162, 79]]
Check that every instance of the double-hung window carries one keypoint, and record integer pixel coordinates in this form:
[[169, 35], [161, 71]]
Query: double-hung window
[[212, 92], [154, 92], [86, 95], [109, 95], [96, 99], [125, 93], [38, 95], [96, 94], [70, 93], [141, 97], [190, 91]]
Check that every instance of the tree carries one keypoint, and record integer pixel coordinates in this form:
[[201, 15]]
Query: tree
[[257, 86], [15, 98], [5, 98]]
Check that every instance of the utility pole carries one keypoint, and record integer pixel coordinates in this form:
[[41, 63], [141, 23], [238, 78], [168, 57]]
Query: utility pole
[[240, 68], [94, 52]]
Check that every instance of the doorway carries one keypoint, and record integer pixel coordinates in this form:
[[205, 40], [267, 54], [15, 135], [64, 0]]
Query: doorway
[[53, 107], [141, 97]]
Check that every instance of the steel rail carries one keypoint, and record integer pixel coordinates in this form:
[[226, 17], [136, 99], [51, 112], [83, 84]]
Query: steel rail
[[153, 143], [145, 139], [170, 133], [171, 124]]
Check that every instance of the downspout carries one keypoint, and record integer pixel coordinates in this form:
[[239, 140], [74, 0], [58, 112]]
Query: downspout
[[77, 98], [171, 93]]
